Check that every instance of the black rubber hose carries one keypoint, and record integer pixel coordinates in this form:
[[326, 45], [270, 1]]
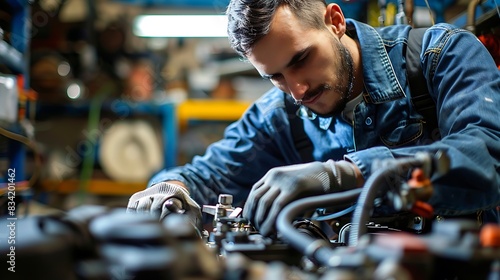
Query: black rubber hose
[[376, 183], [316, 249]]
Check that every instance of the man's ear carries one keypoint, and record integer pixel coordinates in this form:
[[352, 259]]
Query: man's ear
[[335, 20]]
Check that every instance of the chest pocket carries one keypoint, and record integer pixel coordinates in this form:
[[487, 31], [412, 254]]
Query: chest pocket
[[389, 124], [406, 131], [398, 127], [393, 124]]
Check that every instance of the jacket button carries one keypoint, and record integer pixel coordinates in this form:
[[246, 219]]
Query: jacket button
[[368, 121]]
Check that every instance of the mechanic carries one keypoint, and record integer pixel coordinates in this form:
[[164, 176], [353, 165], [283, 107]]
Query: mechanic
[[347, 82]]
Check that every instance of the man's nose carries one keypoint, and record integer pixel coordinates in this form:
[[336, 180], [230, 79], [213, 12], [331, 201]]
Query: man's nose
[[297, 89]]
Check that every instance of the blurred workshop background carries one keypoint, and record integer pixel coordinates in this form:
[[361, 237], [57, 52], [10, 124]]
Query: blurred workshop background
[[97, 96]]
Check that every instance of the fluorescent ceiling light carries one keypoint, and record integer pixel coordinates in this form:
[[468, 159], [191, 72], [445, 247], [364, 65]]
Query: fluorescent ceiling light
[[180, 26]]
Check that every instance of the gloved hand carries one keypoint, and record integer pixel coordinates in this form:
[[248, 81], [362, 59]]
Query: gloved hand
[[164, 198], [282, 185]]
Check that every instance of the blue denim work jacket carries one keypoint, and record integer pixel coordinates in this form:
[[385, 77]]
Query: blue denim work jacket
[[463, 81]]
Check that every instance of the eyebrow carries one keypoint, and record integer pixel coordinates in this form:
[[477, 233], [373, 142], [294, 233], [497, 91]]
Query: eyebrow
[[292, 61]]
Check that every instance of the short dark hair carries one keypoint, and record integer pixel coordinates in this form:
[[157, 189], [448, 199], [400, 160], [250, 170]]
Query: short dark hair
[[250, 20]]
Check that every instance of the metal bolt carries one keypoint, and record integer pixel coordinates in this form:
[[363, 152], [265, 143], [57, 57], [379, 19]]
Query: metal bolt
[[225, 199], [417, 220]]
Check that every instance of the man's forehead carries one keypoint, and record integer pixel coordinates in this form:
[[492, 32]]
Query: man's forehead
[[269, 58], [284, 40]]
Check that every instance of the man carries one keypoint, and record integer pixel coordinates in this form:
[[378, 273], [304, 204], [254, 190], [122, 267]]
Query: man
[[349, 85]]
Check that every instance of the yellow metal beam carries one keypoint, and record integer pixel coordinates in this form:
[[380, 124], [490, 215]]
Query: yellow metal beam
[[210, 110]]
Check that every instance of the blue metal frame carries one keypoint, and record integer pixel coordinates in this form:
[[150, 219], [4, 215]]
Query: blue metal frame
[[16, 56]]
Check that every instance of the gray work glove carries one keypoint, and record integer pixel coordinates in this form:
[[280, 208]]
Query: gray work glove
[[164, 198], [282, 185]]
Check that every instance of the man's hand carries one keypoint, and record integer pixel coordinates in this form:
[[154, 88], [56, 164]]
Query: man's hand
[[282, 185], [164, 198]]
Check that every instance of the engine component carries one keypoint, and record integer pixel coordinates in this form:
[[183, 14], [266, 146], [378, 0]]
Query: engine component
[[100, 243]]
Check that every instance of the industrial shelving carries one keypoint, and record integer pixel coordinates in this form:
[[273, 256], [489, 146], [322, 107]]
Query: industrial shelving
[[173, 117], [14, 56]]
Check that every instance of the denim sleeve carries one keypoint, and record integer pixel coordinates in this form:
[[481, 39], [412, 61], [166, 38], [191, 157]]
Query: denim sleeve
[[251, 146], [465, 83]]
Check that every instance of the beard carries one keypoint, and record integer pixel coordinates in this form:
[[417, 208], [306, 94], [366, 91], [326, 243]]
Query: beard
[[344, 73]]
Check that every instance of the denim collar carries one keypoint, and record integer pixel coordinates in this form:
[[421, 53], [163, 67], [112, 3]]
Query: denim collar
[[380, 79], [381, 83]]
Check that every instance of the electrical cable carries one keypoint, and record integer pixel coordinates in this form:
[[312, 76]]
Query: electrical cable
[[496, 6], [430, 12], [344, 233], [38, 162], [335, 215], [373, 186], [29, 143], [89, 157]]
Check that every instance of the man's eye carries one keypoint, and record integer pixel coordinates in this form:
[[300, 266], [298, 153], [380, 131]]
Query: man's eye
[[301, 61]]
